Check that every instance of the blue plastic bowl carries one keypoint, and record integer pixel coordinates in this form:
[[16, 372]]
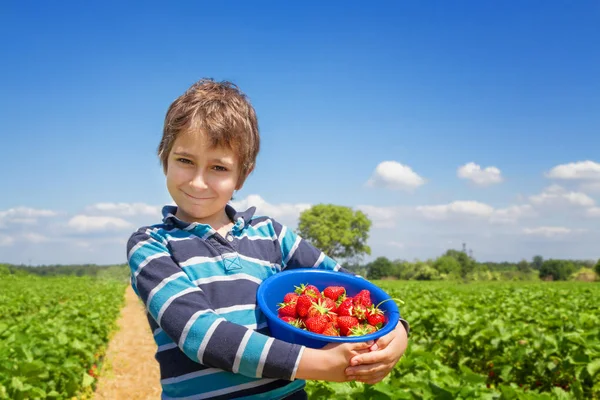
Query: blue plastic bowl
[[271, 291]]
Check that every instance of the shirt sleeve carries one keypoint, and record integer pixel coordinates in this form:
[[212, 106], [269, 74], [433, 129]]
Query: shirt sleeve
[[297, 252], [185, 314]]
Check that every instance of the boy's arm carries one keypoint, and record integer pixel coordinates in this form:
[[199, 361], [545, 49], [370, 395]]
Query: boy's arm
[[184, 313], [297, 252]]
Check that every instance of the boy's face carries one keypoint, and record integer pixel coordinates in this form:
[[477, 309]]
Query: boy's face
[[201, 179]]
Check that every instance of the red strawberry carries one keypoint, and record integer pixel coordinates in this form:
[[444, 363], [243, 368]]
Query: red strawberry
[[316, 324], [361, 330], [310, 290], [360, 312], [363, 297], [375, 316], [320, 307], [288, 309], [345, 324], [333, 318], [293, 321], [334, 292], [289, 297], [329, 304], [331, 330], [303, 304], [345, 308]]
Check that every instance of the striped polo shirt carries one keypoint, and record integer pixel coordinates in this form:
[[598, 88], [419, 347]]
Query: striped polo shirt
[[199, 289]]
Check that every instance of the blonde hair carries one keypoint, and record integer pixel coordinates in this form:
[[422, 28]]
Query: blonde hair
[[220, 111]]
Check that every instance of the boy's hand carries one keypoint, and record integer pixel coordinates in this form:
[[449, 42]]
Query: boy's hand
[[330, 362], [372, 367]]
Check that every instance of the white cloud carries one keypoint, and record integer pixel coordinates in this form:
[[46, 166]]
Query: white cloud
[[398, 245], [593, 187], [24, 215], [482, 177], [576, 170], [382, 217], [6, 241], [34, 238], [512, 214], [125, 209], [593, 212], [85, 223], [548, 231], [557, 195], [393, 175], [456, 208], [285, 212]]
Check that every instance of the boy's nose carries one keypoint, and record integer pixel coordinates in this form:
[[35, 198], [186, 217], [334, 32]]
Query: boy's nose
[[198, 181]]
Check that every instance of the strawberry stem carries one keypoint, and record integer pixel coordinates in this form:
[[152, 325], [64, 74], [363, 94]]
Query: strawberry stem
[[396, 300]]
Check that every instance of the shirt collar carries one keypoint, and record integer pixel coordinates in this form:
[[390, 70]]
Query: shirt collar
[[240, 219]]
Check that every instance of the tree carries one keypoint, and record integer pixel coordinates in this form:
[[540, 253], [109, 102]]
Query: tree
[[523, 266], [447, 265], [559, 270], [424, 272], [537, 262], [338, 231], [466, 263], [597, 268], [380, 268]]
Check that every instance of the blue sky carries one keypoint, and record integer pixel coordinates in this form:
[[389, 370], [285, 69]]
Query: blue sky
[[447, 122]]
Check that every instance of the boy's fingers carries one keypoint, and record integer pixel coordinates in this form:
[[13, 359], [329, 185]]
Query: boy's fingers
[[364, 345], [367, 371], [384, 341], [366, 358]]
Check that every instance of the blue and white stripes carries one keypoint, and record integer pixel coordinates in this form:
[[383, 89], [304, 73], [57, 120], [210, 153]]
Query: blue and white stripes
[[200, 292]]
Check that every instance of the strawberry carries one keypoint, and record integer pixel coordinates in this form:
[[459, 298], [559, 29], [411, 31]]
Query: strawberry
[[293, 321], [287, 319], [333, 318], [370, 328], [363, 297], [316, 324], [310, 290], [345, 308], [289, 297], [361, 330], [345, 324], [360, 312], [329, 304], [287, 309], [331, 330], [375, 316], [334, 292], [303, 303], [320, 307]]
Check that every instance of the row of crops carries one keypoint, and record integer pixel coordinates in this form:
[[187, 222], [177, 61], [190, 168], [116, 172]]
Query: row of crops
[[491, 341], [53, 333]]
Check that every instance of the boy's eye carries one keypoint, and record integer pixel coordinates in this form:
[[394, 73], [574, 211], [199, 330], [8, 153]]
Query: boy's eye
[[219, 168], [184, 160]]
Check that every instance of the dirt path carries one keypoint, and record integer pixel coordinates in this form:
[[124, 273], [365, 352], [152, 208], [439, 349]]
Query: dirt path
[[130, 371]]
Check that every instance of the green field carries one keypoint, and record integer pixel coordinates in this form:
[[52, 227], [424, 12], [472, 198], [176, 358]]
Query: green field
[[53, 330], [491, 341], [471, 341]]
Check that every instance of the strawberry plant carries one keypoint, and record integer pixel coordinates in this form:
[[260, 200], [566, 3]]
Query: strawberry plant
[[490, 341], [53, 332]]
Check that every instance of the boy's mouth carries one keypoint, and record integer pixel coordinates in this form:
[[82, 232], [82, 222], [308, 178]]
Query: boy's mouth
[[197, 198]]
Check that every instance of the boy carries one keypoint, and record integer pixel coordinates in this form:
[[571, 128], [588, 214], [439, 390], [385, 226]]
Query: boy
[[198, 271]]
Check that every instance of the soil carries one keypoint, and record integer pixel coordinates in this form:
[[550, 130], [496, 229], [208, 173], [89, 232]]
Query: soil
[[130, 371]]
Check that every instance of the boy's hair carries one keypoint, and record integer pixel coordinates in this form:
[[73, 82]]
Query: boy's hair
[[220, 111]]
